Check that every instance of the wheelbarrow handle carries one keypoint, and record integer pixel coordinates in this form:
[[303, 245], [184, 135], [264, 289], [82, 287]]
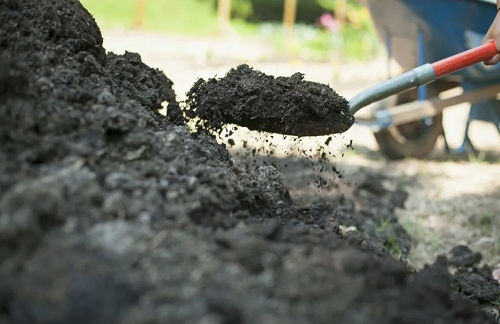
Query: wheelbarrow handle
[[462, 60], [423, 75]]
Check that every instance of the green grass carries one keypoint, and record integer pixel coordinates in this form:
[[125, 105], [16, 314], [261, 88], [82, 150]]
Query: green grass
[[244, 28], [188, 17], [484, 222], [393, 247], [480, 158], [383, 225]]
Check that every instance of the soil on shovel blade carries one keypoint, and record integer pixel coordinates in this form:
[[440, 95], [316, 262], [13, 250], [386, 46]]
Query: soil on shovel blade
[[289, 106], [113, 213]]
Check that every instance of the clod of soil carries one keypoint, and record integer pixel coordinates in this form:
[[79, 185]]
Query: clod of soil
[[285, 105], [111, 213], [477, 284], [462, 257]]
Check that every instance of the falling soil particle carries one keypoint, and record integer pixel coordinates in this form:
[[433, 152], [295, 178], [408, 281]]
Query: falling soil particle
[[113, 213], [261, 102]]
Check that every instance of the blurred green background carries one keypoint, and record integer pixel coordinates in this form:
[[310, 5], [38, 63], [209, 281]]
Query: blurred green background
[[354, 40]]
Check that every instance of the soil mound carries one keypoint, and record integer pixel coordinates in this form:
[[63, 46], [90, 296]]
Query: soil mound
[[112, 213]]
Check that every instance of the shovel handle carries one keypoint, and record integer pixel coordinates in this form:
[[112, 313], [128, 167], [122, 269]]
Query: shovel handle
[[423, 75], [462, 60]]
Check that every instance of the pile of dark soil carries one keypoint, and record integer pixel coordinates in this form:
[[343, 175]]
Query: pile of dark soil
[[112, 213], [262, 102]]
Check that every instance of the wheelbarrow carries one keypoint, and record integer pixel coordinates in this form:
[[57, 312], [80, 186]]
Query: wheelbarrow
[[420, 31]]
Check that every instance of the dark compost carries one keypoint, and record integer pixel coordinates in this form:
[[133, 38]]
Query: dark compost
[[113, 213]]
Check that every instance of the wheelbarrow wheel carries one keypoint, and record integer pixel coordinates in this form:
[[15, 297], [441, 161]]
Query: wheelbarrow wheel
[[412, 140]]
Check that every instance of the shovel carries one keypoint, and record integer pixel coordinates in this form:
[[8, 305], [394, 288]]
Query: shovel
[[423, 75]]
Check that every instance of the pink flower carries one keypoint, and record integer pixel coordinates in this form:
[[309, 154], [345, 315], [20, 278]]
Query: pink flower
[[496, 274], [329, 22]]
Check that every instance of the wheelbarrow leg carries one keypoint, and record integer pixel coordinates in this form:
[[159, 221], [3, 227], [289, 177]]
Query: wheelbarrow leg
[[421, 60], [446, 145], [486, 111], [466, 144], [494, 119]]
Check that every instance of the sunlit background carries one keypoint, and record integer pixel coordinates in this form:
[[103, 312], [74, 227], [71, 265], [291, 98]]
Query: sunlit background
[[322, 28]]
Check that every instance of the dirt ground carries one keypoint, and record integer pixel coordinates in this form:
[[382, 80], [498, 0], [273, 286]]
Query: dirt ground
[[107, 204]]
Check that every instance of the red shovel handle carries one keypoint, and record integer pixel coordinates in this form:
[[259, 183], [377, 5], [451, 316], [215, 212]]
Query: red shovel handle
[[457, 62]]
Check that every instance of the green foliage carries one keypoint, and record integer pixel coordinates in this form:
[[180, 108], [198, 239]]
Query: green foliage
[[272, 10], [199, 17], [484, 222], [360, 43], [311, 43], [393, 247], [191, 17], [241, 9], [308, 11], [391, 243], [480, 158], [329, 5], [383, 226]]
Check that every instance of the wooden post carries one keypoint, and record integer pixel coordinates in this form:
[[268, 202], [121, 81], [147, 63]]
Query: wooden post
[[289, 14], [140, 13], [223, 16]]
